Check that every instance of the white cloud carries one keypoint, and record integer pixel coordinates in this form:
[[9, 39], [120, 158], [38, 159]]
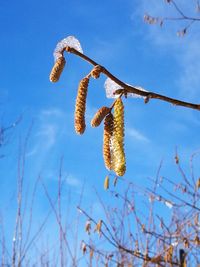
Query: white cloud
[[48, 133], [189, 79], [49, 130], [32, 152], [133, 133], [67, 178], [50, 127], [72, 181], [51, 112]]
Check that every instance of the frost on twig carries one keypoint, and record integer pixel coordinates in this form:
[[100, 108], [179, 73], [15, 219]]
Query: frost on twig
[[111, 86], [68, 41]]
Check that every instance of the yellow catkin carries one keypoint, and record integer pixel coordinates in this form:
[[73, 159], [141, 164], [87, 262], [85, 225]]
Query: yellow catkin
[[95, 73], [80, 106], [106, 183], [57, 69], [107, 135], [99, 116], [169, 254], [118, 154]]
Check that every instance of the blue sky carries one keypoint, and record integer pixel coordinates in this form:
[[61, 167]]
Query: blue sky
[[112, 33]]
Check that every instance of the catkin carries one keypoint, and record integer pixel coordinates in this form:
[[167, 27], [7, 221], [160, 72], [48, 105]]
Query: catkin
[[57, 69], [95, 73], [107, 135], [80, 106], [106, 183], [98, 227], [118, 154], [99, 116]]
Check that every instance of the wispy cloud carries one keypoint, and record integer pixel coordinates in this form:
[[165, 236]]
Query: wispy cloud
[[68, 179], [49, 126], [51, 112], [71, 180], [32, 152], [137, 135], [48, 131], [189, 79]]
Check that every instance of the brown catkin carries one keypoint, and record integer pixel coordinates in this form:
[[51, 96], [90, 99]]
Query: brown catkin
[[95, 73], [80, 106], [107, 135], [118, 154], [57, 69], [99, 116]]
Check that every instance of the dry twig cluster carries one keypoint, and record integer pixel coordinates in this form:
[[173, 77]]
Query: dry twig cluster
[[161, 230], [181, 16], [135, 238]]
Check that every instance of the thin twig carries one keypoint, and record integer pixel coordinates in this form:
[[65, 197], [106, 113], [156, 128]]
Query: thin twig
[[131, 89]]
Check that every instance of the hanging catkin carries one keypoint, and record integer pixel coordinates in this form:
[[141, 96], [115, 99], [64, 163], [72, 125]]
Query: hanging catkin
[[106, 183], [80, 106], [118, 155], [57, 69], [95, 73], [99, 116], [107, 135]]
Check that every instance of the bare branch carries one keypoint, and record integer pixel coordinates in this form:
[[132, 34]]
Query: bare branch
[[131, 89]]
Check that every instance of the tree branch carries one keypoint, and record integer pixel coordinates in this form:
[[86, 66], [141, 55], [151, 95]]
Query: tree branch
[[131, 89]]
